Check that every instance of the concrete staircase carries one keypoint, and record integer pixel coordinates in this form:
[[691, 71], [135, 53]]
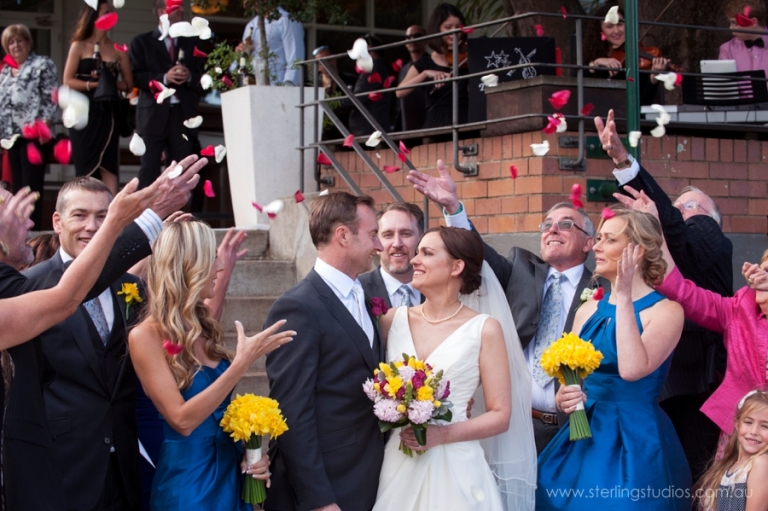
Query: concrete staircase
[[257, 281]]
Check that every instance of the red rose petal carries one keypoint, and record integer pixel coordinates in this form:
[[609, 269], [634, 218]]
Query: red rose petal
[[559, 99], [349, 141], [358, 70], [375, 96], [577, 203], [744, 21], [155, 86], [678, 79], [322, 159], [172, 6], [602, 37], [258, 207], [563, 11], [389, 169], [55, 96], [271, 215], [226, 81], [198, 53], [62, 151], [576, 190], [208, 151], [402, 157], [630, 79], [551, 126], [43, 132], [121, 47], [587, 109], [467, 30], [513, 171], [208, 189], [539, 31], [30, 131], [106, 22], [607, 213], [404, 149], [298, 196], [389, 81], [397, 65], [747, 11], [171, 348], [33, 155], [374, 78], [599, 294], [11, 62]]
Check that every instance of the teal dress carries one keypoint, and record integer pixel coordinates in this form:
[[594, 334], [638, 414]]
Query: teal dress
[[634, 460], [200, 471]]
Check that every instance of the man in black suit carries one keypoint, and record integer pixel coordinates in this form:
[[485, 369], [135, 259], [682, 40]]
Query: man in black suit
[[28, 444], [400, 228], [161, 126], [692, 229], [331, 456], [567, 236]]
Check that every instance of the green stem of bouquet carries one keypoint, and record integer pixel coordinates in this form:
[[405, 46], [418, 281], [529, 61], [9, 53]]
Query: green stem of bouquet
[[254, 490], [578, 420]]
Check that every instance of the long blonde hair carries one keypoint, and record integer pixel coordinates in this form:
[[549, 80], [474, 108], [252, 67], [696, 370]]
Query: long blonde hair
[[706, 489], [179, 268]]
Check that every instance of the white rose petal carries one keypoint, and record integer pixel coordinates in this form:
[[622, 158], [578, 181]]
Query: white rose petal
[[634, 138], [663, 117], [612, 16], [205, 34], [136, 145], [7, 143], [218, 70], [540, 149], [185, 137], [365, 63], [563, 126], [490, 80], [658, 131], [220, 151], [324, 192], [206, 81], [194, 122], [374, 139], [359, 50], [166, 93], [182, 29], [176, 172], [274, 207], [75, 106], [118, 4], [199, 23], [165, 25], [93, 4], [669, 80]]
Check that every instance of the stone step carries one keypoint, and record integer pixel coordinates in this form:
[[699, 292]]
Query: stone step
[[250, 311], [263, 277], [256, 241], [255, 382]]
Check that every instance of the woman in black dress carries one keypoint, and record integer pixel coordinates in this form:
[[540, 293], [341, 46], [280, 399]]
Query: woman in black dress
[[444, 18], [95, 67]]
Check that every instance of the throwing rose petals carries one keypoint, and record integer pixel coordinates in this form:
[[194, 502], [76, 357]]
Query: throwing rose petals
[[7, 143], [540, 149], [389, 81], [197, 53], [403, 148], [607, 214], [257, 206], [397, 65], [375, 96], [298, 196], [118, 4], [323, 160], [374, 78], [121, 47], [559, 99], [374, 139], [206, 81], [563, 125], [467, 30], [194, 122], [612, 16], [349, 141], [563, 11], [273, 208], [208, 151], [576, 196], [539, 31], [33, 155], [587, 109], [359, 53], [402, 157], [389, 169], [513, 171], [208, 189], [669, 79], [634, 138], [176, 172], [551, 126], [220, 152], [490, 80], [10, 62], [172, 348]]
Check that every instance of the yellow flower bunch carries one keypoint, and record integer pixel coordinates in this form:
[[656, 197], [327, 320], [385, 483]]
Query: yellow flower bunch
[[573, 352], [130, 292], [249, 415]]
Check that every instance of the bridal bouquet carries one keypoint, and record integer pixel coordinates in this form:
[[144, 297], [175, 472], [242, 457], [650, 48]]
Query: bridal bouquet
[[408, 392], [567, 359], [247, 419]]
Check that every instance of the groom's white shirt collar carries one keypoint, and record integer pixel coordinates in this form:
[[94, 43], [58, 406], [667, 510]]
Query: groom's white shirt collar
[[339, 282]]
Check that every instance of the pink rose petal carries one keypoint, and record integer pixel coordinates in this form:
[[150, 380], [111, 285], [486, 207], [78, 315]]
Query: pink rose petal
[[577, 203], [375, 96], [679, 79], [30, 131], [467, 30], [539, 31], [389, 81], [43, 132], [576, 190], [397, 65], [55, 96], [374, 78], [323, 160], [744, 21], [559, 99], [62, 151], [33, 155], [602, 36], [121, 47], [607, 213], [587, 109], [106, 22], [599, 294], [226, 81], [155, 86], [171, 348], [271, 215], [258, 206], [404, 149], [389, 169], [402, 157], [298, 196], [208, 151], [551, 126], [513, 171], [208, 189], [349, 141], [198, 53], [10, 62], [630, 79], [563, 11]]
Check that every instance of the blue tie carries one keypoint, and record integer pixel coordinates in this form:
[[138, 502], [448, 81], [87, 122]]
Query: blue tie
[[547, 332], [96, 312], [405, 295]]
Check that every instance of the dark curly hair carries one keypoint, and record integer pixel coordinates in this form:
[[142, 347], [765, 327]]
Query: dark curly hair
[[466, 246]]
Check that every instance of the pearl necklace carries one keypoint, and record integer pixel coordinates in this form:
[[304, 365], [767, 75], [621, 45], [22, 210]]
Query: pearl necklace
[[434, 322]]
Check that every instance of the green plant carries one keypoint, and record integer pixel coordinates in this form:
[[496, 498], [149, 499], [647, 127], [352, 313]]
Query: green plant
[[224, 61]]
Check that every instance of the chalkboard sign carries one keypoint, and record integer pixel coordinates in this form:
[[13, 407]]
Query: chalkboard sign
[[486, 55]]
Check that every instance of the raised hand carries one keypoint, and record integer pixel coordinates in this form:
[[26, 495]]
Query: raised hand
[[129, 203], [639, 201], [14, 218], [756, 277], [626, 268], [179, 189], [251, 348], [227, 251], [441, 190], [610, 139]]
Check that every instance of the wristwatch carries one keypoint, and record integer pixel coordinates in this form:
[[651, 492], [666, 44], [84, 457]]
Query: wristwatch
[[626, 163]]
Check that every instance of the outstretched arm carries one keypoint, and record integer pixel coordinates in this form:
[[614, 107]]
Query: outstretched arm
[[228, 254]]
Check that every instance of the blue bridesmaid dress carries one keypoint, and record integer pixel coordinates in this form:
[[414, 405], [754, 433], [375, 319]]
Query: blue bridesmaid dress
[[634, 460], [201, 471]]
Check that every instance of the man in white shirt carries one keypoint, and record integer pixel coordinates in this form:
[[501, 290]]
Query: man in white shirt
[[543, 292], [285, 39], [400, 228]]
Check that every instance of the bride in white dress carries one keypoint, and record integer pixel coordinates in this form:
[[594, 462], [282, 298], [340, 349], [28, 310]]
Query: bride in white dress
[[487, 462]]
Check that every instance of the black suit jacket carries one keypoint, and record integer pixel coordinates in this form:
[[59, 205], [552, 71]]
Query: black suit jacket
[[373, 285], [91, 405], [333, 450], [150, 60], [28, 456], [703, 254]]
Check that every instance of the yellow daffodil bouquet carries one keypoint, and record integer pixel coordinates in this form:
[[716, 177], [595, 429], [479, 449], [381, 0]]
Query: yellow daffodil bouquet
[[568, 359], [247, 419], [409, 392]]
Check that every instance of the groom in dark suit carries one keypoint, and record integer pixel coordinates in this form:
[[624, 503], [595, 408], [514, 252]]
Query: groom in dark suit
[[330, 457], [543, 292], [162, 126]]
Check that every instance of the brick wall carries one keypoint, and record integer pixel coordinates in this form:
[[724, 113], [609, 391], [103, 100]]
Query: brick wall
[[733, 172]]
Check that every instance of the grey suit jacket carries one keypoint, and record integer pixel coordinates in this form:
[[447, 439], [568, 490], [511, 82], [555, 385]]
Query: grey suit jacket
[[373, 285]]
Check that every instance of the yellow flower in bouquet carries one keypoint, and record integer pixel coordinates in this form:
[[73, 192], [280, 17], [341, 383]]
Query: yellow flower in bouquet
[[247, 419], [568, 359], [130, 293]]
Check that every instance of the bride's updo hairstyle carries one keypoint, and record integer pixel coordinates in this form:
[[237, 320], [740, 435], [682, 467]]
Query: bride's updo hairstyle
[[643, 229], [177, 273], [468, 247]]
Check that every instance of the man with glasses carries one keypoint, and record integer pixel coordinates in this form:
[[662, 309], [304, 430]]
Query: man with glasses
[[543, 292], [412, 109], [692, 229]]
